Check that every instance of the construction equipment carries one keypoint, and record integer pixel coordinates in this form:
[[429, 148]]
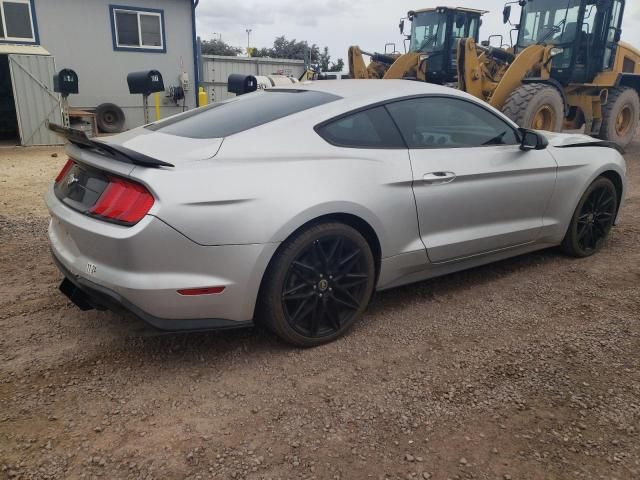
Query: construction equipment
[[432, 53], [567, 70]]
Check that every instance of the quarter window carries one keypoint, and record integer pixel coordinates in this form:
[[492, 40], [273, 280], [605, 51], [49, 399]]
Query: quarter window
[[138, 29], [16, 21], [441, 122], [371, 128]]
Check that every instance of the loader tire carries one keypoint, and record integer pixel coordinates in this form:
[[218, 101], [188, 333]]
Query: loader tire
[[536, 106], [620, 116]]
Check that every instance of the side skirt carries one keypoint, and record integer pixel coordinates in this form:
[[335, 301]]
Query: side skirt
[[393, 272]]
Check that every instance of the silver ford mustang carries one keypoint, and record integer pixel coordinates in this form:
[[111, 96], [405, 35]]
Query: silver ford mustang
[[291, 206]]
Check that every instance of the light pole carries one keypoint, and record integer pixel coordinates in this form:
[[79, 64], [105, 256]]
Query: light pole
[[248, 39]]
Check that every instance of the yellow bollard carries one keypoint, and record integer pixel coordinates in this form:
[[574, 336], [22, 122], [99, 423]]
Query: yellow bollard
[[157, 99], [202, 97]]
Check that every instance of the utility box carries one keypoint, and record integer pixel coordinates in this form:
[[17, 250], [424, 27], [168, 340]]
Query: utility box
[[241, 84], [65, 82], [145, 83]]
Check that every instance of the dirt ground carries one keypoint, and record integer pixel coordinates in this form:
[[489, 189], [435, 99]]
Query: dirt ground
[[526, 369]]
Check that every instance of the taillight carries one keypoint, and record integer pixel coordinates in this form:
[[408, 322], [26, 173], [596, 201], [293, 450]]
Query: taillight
[[64, 170], [123, 201]]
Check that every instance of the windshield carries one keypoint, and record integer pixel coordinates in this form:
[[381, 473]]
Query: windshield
[[549, 21], [428, 32]]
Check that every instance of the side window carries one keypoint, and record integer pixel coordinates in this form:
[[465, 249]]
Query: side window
[[442, 122], [138, 29], [367, 129], [473, 29], [17, 23]]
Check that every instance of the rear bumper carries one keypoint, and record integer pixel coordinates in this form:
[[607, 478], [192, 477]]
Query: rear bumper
[[141, 268], [87, 295]]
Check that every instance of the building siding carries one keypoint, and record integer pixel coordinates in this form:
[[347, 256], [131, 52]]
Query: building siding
[[78, 34]]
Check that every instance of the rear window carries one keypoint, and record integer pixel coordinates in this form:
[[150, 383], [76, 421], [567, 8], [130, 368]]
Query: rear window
[[242, 113]]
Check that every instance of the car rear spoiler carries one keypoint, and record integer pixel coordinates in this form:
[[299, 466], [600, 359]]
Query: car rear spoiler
[[117, 152], [595, 143]]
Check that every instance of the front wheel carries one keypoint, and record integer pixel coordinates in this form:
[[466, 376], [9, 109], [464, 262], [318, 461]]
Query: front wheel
[[537, 106], [620, 116], [592, 220], [318, 285]]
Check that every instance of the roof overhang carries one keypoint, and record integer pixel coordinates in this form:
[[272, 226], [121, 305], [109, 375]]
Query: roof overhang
[[459, 9], [11, 49]]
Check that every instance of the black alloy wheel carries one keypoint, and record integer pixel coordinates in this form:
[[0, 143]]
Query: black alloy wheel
[[324, 280], [593, 219], [325, 286]]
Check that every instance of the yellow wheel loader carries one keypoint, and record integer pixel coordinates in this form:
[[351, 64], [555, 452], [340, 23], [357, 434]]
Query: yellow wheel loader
[[567, 70], [432, 53]]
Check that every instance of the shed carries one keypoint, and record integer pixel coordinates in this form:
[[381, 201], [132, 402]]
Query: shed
[[102, 41], [27, 99]]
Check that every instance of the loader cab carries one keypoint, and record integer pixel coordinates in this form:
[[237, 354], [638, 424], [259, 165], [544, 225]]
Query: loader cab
[[585, 34], [435, 33]]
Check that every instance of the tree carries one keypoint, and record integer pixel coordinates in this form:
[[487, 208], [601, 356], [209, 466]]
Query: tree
[[337, 66], [218, 47], [283, 48], [326, 65], [325, 58]]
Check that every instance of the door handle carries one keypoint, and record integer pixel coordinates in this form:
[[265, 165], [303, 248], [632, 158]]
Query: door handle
[[439, 178]]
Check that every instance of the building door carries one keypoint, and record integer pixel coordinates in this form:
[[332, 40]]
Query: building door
[[8, 120], [36, 103]]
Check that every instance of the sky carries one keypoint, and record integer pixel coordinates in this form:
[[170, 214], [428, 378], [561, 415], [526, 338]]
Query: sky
[[341, 23]]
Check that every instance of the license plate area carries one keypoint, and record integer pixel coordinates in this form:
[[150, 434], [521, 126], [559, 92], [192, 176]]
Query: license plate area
[[81, 187]]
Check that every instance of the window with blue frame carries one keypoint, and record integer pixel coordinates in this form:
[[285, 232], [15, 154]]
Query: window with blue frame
[[137, 29], [17, 22]]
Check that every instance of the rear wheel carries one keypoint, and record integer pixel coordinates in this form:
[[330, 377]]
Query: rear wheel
[[592, 220], [620, 116], [536, 106], [318, 285]]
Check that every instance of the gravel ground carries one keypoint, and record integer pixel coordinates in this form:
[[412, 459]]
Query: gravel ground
[[526, 369]]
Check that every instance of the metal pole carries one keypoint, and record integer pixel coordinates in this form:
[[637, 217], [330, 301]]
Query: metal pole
[[248, 39], [157, 100], [145, 106], [65, 111]]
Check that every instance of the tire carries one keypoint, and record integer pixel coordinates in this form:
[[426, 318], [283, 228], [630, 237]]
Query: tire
[[110, 118], [620, 116], [592, 220], [318, 285], [536, 106]]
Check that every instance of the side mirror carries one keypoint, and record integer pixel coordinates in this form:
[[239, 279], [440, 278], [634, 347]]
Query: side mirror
[[506, 14], [485, 43], [401, 26], [532, 140]]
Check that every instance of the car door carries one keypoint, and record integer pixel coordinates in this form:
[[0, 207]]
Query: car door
[[476, 192]]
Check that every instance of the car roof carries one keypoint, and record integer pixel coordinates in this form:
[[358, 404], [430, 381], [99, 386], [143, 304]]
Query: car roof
[[371, 91], [355, 94]]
